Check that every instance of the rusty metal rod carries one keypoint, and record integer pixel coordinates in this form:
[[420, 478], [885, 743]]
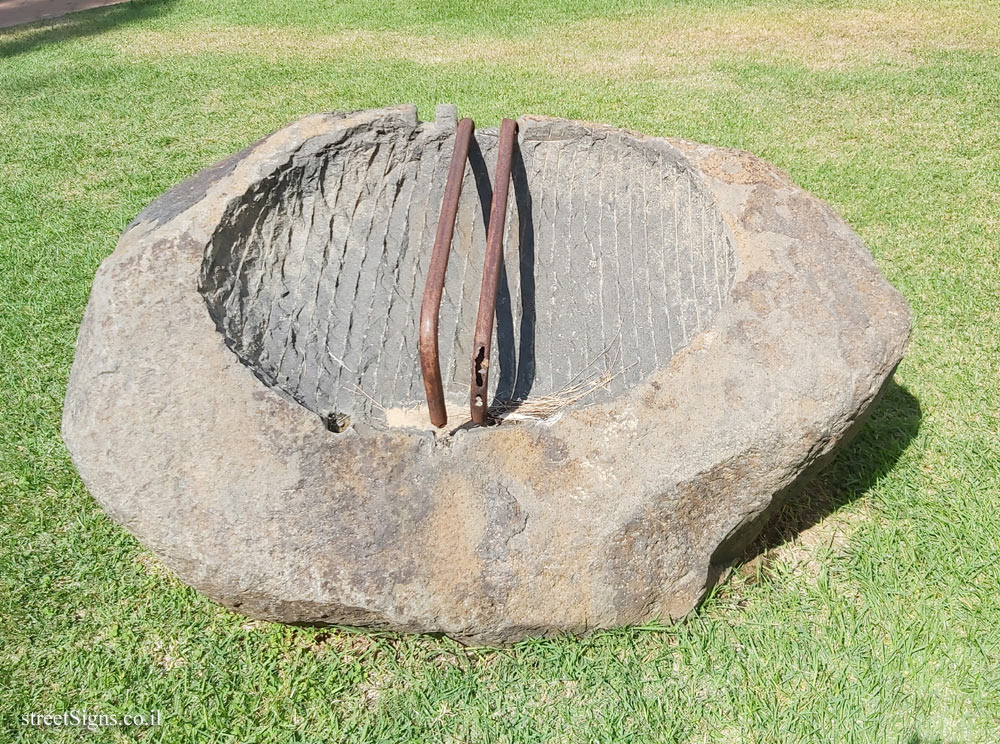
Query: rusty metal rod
[[430, 305], [478, 396]]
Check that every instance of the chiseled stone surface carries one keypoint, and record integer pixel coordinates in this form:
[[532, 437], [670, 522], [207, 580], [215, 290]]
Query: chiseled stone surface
[[245, 307], [613, 252]]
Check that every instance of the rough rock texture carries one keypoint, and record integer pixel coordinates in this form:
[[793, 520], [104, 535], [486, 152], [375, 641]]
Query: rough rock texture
[[614, 252], [276, 292]]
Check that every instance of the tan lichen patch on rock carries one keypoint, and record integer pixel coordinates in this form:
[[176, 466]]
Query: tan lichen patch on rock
[[544, 464], [744, 169], [456, 525]]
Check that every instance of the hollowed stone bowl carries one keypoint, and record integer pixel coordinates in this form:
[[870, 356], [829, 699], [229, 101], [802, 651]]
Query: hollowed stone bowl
[[688, 335]]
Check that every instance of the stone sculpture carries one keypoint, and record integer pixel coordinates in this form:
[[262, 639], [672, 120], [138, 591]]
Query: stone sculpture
[[683, 336]]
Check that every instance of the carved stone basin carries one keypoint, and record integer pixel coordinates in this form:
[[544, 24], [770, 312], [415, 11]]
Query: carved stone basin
[[682, 337]]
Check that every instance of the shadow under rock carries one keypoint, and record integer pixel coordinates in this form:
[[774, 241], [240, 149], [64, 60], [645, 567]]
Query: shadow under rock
[[873, 452]]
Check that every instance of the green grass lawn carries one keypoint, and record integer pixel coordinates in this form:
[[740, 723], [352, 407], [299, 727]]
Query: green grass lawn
[[871, 610]]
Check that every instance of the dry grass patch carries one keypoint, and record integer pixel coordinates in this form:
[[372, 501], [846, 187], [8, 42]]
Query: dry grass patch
[[285, 43], [823, 38], [800, 540], [664, 43]]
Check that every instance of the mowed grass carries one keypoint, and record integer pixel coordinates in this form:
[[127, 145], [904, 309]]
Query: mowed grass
[[869, 612]]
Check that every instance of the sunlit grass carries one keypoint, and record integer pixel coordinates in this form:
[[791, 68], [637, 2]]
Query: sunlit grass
[[878, 624]]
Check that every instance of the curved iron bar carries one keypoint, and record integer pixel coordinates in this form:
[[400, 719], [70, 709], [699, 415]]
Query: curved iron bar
[[430, 305]]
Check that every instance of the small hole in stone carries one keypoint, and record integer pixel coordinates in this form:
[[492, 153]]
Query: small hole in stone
[[337, 422]]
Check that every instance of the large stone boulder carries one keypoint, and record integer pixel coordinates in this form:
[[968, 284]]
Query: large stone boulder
[[683, 336]]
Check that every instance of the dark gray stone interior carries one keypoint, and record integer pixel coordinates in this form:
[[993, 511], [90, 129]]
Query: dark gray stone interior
[[614, 257]]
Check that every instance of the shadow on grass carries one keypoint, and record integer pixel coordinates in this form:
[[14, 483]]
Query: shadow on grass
[[875, 450], [78, 25]]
